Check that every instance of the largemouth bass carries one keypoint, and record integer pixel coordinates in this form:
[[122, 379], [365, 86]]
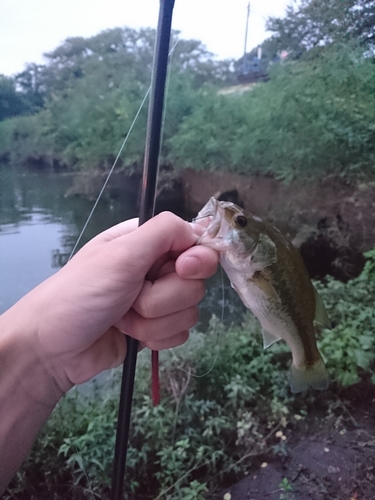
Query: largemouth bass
[[269, 275]]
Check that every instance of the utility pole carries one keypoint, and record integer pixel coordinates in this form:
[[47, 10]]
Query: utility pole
[[246, 31]]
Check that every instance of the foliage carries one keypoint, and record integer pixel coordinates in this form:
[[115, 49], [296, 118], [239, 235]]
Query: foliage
[[286, 489], [207, 429], [310, 25], [206, 138], [89, 92], [312, 118], [119, 54], [349, 348], [18, 140], [12, 102], [179, 448], [315, 117]]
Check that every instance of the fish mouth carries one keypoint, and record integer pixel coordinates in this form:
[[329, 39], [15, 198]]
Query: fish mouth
[[211, 217]]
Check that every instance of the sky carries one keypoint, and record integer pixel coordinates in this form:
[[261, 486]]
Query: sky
[[29, 28]]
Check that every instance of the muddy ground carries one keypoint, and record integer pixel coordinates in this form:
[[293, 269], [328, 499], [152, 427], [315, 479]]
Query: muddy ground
[[328, 455]]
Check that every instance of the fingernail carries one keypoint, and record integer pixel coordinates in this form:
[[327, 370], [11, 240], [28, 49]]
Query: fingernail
[[191, 265]]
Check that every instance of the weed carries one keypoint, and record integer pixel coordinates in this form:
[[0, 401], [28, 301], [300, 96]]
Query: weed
[[286, 488], [205, 430]]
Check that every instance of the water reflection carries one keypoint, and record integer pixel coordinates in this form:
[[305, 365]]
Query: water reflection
[[39, 226], [25, 255]]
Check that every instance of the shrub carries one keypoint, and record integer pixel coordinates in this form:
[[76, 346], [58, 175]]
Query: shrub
[[349, 348], [206, 429]]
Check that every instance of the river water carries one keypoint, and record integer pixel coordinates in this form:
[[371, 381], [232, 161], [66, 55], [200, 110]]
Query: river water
[[39, 226]]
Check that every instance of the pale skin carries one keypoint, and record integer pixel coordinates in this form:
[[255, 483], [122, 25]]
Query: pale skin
[[145, 282]]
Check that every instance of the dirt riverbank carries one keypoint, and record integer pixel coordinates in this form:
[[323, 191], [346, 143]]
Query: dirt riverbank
[[331, 221], [328, 455]]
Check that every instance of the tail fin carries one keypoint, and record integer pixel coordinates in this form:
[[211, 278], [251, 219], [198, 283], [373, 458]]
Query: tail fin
[[315, 376]]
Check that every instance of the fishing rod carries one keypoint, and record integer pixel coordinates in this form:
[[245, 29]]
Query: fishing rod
[[146, 212]]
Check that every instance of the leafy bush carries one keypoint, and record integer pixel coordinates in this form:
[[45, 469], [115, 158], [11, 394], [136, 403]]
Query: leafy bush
[[349, 348], [208, 428], [178, 448], [89, 93], [312, 118], [315, 117]]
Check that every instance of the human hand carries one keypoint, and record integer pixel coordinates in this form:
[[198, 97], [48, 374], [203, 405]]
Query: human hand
[[145, 282]]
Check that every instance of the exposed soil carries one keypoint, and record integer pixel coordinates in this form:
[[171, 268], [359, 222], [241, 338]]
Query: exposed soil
[[329, 455], [331, 221]]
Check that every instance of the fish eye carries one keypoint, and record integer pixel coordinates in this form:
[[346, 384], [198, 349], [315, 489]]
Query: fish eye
[[241, 221]]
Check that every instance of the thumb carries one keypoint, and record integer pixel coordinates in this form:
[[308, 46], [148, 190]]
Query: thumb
[[160, 235]]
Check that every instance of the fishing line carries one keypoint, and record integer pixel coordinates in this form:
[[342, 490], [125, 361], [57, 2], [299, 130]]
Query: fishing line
[[110, 173], [219, 334], [169, 69], [221, 328], [105, 185], [91, 491], [115, 163], [101, 193]]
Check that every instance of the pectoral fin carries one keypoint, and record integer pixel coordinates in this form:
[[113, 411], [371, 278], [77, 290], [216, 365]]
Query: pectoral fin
[[265, 286], [268, 338], [321, 316], [264, 254]]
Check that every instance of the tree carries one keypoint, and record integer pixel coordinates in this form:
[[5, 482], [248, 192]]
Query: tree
[[316, 23], [191, 58], [118, 54], [31, 83], [91, 88], [12, 103]]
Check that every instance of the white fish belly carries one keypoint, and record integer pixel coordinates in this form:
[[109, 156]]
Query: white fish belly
[[268, 311]]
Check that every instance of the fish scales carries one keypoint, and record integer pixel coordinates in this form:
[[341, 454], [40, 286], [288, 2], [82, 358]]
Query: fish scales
[[271, 279], [296, 292]]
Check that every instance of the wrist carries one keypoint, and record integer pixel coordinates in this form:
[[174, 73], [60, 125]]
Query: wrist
[[28, 393], [22, 366]]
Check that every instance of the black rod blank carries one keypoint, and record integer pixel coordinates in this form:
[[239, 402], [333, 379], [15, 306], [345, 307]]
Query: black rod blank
[[147, 207]]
